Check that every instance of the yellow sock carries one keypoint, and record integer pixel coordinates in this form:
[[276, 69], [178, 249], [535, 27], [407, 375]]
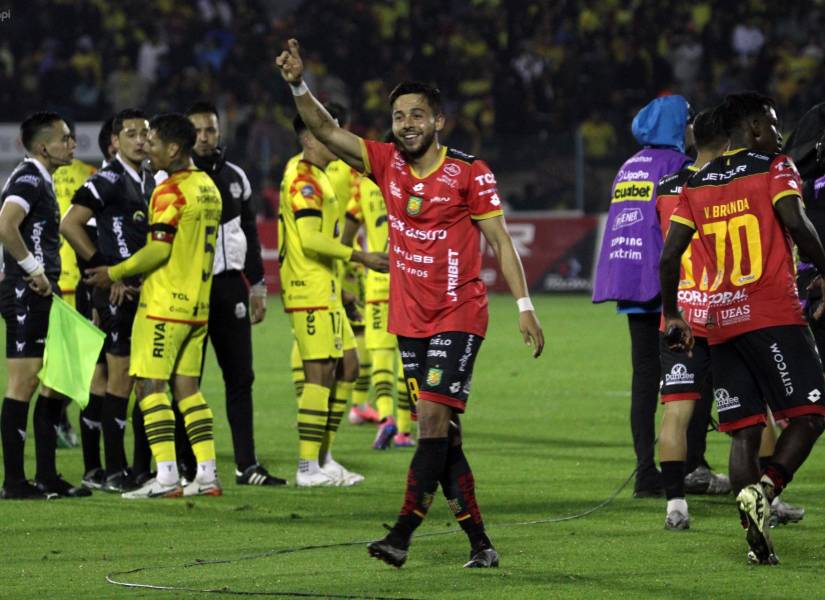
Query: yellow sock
[[338, 400], [361, 391], [197, 417], [297, 365], [402, 409], [381, 377], [159, 421], [312, 420]]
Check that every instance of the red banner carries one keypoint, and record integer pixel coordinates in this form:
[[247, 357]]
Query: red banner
[[557, 253]]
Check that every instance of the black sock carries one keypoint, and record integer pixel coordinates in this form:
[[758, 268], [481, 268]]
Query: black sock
[[187, 464], [113, 418], [673, 478], [64, 413], [142, 457], [426, 469], [46, 420], [239, 415], [764, 461], [458, 485], [13, 419], [90, 428]]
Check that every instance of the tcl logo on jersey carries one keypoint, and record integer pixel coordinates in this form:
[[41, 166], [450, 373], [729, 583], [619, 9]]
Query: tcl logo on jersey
[[485, 178]]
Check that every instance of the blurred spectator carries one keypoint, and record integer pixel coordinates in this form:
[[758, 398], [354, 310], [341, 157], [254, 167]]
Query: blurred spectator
[[598, 135]]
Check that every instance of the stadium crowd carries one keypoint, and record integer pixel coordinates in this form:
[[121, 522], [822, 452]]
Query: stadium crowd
[[515, 76]]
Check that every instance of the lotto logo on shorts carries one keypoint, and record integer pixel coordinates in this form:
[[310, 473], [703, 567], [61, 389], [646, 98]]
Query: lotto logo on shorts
[[158, 338], [434, 377], [814, 395], [724, 401], [679, 375]]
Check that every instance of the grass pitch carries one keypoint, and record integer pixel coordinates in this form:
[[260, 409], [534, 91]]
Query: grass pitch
[[547, 438]]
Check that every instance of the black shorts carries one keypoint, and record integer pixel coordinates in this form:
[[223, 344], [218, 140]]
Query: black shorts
[[776, 366], [27, 318], [116, 322], [440, 368], [683, 375]]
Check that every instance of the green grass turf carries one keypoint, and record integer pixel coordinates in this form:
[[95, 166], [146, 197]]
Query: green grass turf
[[546, 438]]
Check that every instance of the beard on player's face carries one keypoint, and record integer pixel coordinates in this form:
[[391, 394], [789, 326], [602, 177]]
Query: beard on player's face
[[417, 147]]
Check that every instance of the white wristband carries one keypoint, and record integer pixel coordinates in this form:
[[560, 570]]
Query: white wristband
[[30, 265], [299, 90], [524, 304]]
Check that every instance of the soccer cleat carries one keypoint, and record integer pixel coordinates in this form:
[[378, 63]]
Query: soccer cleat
[[195, 488], [783, 513], [257, 475], [363, 413], [141, 478], [403, 440], [482, 559], [388, 552], [385, 434], [754, 511], [154, 489], [118, 483], [62, 488], [677, 520], [317, 479], [340, 474], [94, 479], [704, 481], [24, 490]]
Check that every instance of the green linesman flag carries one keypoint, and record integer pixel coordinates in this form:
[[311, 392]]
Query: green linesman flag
[[72, 347]]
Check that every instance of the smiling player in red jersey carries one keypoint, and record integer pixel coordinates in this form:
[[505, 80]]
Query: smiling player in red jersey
[[746, 207], [439, 202]]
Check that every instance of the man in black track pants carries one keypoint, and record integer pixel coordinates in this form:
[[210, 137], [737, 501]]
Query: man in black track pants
[[238, 298]]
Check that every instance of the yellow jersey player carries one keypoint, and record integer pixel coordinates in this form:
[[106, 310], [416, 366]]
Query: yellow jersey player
[[310, 251], [67, 180], [173, 310], [366, 206]]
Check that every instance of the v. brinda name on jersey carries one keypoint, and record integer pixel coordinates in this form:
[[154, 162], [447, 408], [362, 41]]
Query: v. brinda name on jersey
[[730, 202], [434, 240]]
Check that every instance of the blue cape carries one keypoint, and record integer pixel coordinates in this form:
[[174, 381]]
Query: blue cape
[[662, 123]]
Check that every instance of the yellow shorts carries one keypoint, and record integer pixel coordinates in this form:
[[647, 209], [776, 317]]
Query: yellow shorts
[[376, 335], [161, 349], [322, 334]]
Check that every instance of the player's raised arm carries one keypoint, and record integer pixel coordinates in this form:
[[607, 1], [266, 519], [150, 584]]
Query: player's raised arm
[[508, 259], [344, 144]]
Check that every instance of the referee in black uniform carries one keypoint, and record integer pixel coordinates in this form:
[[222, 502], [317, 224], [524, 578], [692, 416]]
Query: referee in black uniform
[[29, 221], [238, 298]]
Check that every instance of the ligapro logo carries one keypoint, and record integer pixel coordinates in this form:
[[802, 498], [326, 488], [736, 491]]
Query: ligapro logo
[[724, 401], [627, 217], [678, 375]]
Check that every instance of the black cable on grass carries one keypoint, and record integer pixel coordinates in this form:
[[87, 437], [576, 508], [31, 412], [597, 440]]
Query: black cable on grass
[[110, 578]]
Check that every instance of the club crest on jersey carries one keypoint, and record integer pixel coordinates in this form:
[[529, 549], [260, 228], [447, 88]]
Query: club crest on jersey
[[434, 377], [414, 205]]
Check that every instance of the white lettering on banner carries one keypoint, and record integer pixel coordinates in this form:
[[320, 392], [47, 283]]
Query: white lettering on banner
[[522, 234]]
